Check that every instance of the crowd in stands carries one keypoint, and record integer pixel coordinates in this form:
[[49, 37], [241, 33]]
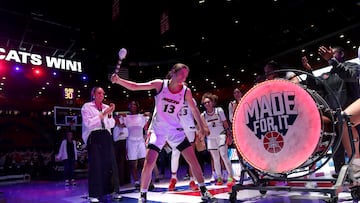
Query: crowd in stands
[[39, 163]]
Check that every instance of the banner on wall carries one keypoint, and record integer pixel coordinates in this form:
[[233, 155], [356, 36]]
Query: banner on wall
[[39, 60]]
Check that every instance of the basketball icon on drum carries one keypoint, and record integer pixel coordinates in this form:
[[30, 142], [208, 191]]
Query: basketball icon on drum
[[273, 142], [277, 126]]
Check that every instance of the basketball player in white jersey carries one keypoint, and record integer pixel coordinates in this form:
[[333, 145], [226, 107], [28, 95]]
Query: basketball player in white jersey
[[166, 125], [135, 142], [217, 140], [188, 123]]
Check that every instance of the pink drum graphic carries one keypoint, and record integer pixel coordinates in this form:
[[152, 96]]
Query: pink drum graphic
[[276, 126]]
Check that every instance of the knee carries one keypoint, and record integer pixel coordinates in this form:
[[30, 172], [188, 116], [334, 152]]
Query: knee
[[223, 153]]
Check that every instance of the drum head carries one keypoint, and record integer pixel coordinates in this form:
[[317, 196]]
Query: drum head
[[276, 126]]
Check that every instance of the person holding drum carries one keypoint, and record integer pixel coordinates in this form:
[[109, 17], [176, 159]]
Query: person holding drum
[[335, 57], [335, 83], [219, 137], [272, 66], [343, 81]]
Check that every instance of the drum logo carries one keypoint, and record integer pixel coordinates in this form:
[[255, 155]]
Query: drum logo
[[270, 117]]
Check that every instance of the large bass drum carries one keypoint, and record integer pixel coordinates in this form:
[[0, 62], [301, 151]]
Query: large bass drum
[[280, 126]]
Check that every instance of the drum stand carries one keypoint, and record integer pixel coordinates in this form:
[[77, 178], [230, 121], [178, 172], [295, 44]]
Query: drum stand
[[263, 184]]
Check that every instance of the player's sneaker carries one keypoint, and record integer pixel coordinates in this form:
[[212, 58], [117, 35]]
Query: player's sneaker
[[193, 186], [172, 184], [208, 197], [219, 181], [142, 198], [230, 182], [186, 177], [93, 200], [116, 196]]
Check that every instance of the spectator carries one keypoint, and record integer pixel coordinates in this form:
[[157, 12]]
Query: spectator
[[97, 123], [68, 154]]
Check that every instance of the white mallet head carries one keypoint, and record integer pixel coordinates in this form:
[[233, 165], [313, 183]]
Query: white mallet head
[[122, 53]]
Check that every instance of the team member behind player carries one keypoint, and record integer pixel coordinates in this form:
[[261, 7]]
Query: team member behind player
[[135, 143], [188, 124], [217, 141]]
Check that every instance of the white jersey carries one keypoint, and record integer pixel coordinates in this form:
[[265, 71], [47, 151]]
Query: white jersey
[[167, 106], [186, 118], [215, 121], [135, 124]]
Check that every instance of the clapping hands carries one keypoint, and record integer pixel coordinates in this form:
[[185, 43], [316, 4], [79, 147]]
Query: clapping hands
[[109, 110]]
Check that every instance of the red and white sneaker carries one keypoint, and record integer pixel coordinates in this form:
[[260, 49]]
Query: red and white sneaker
[[172, 184], [193, 186], [219, 181], [230, 182]]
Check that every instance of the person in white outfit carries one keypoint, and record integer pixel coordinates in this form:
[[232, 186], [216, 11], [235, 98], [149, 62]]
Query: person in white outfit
[[97, 122], [68, 154], [219, 138], [135, 143]]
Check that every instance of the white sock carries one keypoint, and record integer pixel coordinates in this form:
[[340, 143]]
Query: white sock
[[175, 155]]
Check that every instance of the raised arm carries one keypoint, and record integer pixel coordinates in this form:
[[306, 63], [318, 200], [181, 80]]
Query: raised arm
[[134, 86]]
